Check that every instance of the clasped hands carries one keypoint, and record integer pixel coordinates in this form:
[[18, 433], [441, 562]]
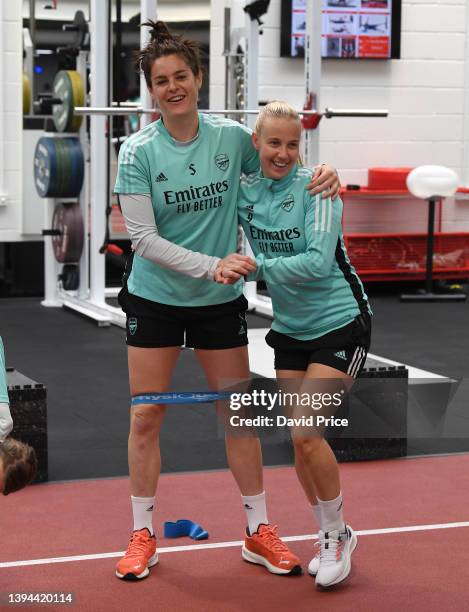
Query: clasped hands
[[232, 267]]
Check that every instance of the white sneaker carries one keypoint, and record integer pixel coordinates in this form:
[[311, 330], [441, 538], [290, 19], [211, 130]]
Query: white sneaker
[[336, 548], [313, 567]]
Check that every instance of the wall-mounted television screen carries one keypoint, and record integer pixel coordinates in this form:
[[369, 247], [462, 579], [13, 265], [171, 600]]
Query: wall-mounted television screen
[[351, 29]]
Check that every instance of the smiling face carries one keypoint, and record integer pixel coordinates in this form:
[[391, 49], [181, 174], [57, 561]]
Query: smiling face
[[278, 143], [174, 87]]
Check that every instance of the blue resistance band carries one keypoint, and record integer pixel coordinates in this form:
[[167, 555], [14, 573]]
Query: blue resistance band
[[186, 397], [184, 527]]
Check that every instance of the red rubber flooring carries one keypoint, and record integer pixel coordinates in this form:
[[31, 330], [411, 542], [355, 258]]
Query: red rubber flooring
[[418, 570]]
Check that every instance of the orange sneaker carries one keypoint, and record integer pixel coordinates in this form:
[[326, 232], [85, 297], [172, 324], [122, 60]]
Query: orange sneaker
[[141, 554], [266, 548]]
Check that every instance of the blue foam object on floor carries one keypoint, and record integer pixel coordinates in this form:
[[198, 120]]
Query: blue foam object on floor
[[184, 527]]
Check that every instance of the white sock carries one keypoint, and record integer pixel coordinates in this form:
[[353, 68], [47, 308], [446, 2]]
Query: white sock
[[256, 513], [332, 517], [142, 509], [317, 515]]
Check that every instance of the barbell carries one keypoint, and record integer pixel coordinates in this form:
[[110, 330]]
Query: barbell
[[68, 96], [138, 110]]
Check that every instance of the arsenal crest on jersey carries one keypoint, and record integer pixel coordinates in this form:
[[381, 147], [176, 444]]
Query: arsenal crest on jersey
[[222, 161], [288, 202]]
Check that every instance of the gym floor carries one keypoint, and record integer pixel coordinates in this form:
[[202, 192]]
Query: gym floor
[[77, 525], [410, 554]]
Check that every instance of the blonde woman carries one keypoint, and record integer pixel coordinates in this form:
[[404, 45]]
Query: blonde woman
[[322, 319]]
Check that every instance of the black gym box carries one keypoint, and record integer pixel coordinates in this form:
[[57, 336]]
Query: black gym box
[[28, 406]]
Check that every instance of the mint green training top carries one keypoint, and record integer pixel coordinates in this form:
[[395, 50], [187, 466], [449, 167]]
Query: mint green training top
[[300, 253], [194, 190], [3, 376]]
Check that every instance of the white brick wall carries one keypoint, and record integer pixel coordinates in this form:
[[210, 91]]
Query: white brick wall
[[424, 91], [11, 118]]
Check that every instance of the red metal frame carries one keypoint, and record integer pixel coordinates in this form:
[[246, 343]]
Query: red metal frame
[[399, 248], [402, 256]]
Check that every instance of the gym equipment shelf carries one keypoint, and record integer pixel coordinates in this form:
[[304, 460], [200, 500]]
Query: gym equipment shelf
[[401, 255]]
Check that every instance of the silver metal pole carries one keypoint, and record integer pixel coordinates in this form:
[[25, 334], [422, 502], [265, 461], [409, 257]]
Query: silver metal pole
[[227, 51], [312, 74], [83, 289], [251, 67], [148, 10], [345, 112], [251, 102], [138, 110], [99, 54], [51, 267], [32, 23]]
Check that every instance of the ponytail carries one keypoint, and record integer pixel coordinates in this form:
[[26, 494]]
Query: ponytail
[[163, 43], [158, 31]]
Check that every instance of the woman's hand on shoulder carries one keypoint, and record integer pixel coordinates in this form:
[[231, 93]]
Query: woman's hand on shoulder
[[325, 180]]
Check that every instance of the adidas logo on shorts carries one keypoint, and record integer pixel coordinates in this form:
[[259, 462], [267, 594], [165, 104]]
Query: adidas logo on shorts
[[161, 177], [341, 355]]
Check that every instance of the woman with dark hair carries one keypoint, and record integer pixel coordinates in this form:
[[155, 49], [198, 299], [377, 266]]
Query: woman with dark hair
[[18, 462], [18, 465], [178, 182]]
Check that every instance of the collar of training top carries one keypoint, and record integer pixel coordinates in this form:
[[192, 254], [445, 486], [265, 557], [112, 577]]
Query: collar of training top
[[278, 185], [178, 143]]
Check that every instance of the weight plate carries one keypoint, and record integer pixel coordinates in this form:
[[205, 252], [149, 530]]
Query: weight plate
[[26, 94], [81, 33], [78, 98], [68, 245], [45, 167], [62, 113], [60, 153], [77, 168], [64, 150], [58, 167], [68, 86]]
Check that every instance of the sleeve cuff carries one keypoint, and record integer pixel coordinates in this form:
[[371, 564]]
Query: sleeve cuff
[[213, 266]]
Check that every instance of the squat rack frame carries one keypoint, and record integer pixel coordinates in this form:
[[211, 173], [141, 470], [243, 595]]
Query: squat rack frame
[[90, 299]]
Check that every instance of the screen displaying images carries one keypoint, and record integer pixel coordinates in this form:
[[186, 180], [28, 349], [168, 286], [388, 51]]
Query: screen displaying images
[[350, 28]]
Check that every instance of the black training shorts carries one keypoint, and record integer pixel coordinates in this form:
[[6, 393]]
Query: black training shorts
[[344, 349], [154, 325]]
